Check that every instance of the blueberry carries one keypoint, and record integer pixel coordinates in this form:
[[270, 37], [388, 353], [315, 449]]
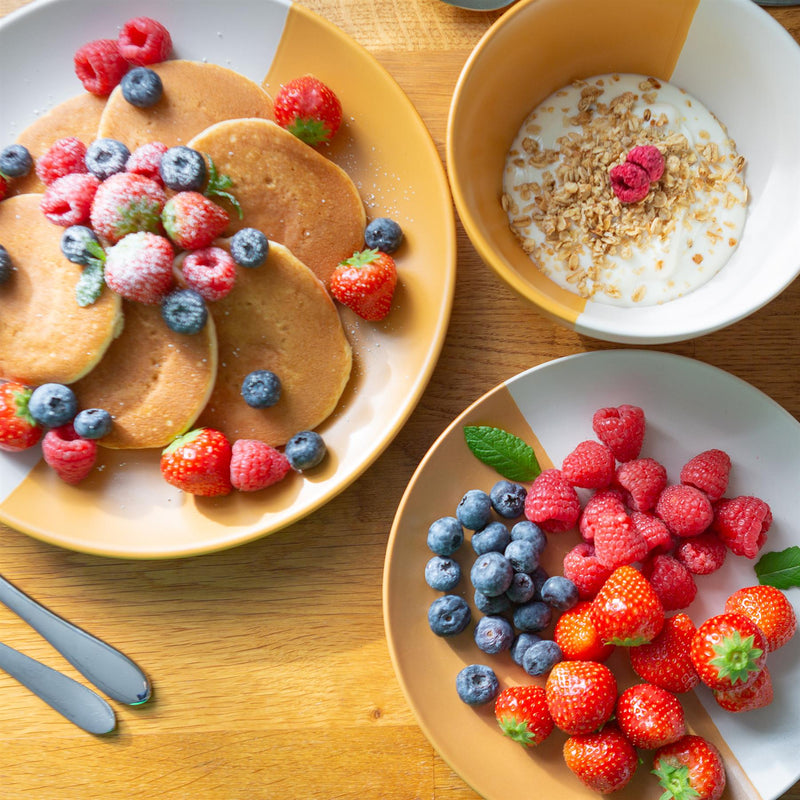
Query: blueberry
[[522, 555], [184, 311], [494, 537], [76, 243], [305, 450], [474, 510], [491, 574], [141, 87], [448, 615], [541, 657], [261, 388], [531, 532], [445, 536], [183, 169], [521, 644], [442, 573], [15, 161], [533, 616], [383, 234], [6, 267], [52, 404], [539, 576], [522, 588], [493, 634], [249, 247], [477, 684], [106, 157], [559, 592], [508, 499], [92, 423], [492, 605]]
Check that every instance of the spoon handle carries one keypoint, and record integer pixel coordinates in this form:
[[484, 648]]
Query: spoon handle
[[70, 698], [105, 667]]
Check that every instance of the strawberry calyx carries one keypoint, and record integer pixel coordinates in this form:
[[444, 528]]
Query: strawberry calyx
[[361, 259], [21, 397], [736, 657], [517, 729], [674, 779], [310, 130], [218, 185]]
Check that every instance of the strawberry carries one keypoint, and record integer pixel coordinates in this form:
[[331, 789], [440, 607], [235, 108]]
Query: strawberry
[[604, 761], [199, 462], [622, 429], [728, 651], [690, 768], [125, 203], [18, 429], [577, 636], [627, 610], [769, 609], [71, 456], [139, 267], [650, 716], [308, 109], [580, 695], [256, 465], [667, 661], [757, 695], [192, 221], [522, 713], [365, 283]]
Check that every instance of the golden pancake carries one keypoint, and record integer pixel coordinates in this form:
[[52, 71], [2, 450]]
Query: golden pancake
[[154, 382], [79, 117], [45, 336], [196, 95], [288, 190], [277, 317]]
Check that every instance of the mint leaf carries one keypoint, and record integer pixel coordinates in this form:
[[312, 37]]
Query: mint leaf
[[218, 184], [508, 454], [780, 568], [95, 249], [90, 284]]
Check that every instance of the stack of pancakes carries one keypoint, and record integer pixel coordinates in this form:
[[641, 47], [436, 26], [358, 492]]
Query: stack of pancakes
[[120, 355]]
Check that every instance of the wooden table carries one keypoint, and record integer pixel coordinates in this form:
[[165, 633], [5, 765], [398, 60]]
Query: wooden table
[[271, 672]]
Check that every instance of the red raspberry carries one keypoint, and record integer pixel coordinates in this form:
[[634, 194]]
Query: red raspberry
[[552, 503], [742, 523], [708, 471], [702, 554], [583, 568], [144, 41], [256, 465], [654, 531], [139, 267], [145, 160], [211, 272], [63, 157], [667, 661], [3, 188], [671, 581], [126, 203], [71, 456], [595, 506], [622, 429], [629, 182], [685, 510], [616, 540], [649, 158], [100, 66], [68, 200], [643, 480], [590, 465]]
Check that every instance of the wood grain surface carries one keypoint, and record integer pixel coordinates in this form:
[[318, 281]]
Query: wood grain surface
[[271, 672]]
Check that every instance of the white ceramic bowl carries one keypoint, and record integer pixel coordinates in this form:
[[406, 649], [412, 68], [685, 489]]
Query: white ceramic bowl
[[729, 54]]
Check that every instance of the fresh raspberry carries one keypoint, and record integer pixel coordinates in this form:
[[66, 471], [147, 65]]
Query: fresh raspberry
[[256, 465], [144, 41], [595, 506], [742, 523], [708, 471], [671, 581], [211, 272], [667, 661], [71, 456], [63, 157], [649, 158], [139, 267], [145, 160], [622, 429], [100, 66], [590, 465], [629, 182], [126, 203], [583, 568], [702, 554], [655, 532], [616, 540], [643, 480], [68, 200], [685, 510], [552, 503], [3, 188]]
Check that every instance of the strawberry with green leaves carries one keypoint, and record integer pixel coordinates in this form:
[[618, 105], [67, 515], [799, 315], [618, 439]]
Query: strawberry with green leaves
[[308, 109], [126, 203], [690, 769], [18, 429], [581, 695], [605, 761], [757, 694], [192, 221], [523, 715], [365, 283], [199, 462]]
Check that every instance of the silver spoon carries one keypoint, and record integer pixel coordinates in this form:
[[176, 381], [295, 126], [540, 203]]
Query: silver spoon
[[73, 700], [479, 5], [105, 667]]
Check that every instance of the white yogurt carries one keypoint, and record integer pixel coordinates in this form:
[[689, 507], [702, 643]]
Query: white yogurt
[[561, 205]]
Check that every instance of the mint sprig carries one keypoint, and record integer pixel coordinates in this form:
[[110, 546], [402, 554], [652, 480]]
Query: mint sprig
[[218, 185], [512, 457], [779, 568]]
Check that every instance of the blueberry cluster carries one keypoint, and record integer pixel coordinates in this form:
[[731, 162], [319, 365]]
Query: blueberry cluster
[[513, 594], [54, 404]]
